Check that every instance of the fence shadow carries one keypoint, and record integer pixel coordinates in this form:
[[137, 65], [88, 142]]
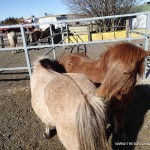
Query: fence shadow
[[14, 76]]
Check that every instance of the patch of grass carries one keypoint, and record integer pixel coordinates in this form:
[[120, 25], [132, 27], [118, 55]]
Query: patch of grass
[[141, 8]]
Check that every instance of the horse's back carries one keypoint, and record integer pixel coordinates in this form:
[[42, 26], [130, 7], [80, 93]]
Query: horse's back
[[83, 82], [67, 89]]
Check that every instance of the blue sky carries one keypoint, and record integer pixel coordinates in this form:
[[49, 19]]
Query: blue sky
[[26, 8]]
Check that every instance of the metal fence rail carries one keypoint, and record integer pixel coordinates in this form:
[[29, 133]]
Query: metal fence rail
[[26, 47]]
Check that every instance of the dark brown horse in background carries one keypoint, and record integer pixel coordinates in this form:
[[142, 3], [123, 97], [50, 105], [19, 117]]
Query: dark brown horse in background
[[40, 35], [116, 70]]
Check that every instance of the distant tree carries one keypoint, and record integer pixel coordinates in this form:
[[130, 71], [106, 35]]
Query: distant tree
[[98, 8], [10, 21]]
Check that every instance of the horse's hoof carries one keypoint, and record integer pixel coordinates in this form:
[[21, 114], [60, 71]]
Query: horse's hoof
[[49, 132], [13, 52], [47, 135]]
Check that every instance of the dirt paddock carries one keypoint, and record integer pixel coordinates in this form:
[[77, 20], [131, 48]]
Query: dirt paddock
[[20, 129]]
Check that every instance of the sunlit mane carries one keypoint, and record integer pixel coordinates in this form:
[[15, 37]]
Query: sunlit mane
[[127, 52]]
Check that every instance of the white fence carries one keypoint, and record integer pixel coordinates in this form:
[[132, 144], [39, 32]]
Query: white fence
[[26, 47]]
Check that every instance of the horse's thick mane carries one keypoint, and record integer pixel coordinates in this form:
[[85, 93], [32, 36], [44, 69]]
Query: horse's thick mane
[[103, 60], [52, 64], [127, 52]]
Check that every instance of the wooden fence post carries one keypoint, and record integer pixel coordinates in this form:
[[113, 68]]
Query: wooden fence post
[[89, 33], [127, 28]]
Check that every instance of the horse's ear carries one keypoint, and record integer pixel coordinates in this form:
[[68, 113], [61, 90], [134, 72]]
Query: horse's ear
[[70, 62], [69, 65]]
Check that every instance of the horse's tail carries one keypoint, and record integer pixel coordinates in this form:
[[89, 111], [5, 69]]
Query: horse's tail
[[91, 124]]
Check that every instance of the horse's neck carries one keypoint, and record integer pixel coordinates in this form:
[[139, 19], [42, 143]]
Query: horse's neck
[[94, 63], [94, 71], [100, 65], [98, 62]]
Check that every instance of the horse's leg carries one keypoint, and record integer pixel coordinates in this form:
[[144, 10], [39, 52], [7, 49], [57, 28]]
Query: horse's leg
[[78, 49], [118, 120], [49, 132], [14, 52], [17, 48], [85, 48], [49, 41]]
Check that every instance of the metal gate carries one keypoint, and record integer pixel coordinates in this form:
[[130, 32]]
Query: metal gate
[[65, 35]]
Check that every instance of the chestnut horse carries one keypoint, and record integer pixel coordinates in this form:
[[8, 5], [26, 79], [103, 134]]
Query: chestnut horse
[[68, 103], [116, 70], [81, 63]]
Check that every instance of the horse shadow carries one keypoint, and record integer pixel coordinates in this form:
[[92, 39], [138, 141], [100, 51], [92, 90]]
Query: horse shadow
[[134, 119]]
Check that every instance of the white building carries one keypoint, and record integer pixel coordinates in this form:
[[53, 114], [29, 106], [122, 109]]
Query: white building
[[140, 22], [50, 20]]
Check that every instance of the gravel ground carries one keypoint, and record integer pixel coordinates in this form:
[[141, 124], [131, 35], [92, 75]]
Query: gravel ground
[[20, 129]]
